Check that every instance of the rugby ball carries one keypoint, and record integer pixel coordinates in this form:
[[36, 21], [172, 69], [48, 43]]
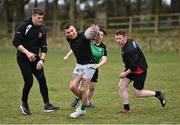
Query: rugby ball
[[90, 34]]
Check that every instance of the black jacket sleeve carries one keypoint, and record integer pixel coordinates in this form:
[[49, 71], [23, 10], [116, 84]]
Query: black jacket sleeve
[[19, 35], [44, 41]]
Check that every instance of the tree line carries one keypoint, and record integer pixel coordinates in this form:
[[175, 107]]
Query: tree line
[[72, 10]]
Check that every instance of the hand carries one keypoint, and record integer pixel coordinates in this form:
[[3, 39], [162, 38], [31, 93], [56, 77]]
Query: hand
[[39, 65], [94, 28], [123, 75], [31, 56], [65, 58]]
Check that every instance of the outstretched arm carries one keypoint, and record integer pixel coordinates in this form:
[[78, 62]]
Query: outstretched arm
[[67, 55]]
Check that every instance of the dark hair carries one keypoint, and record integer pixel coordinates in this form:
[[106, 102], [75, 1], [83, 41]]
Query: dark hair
[[38, 11], [102, 30], [120, 32], [67, 25]]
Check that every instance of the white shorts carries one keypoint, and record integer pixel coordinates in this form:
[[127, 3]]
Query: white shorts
[[86, 71]]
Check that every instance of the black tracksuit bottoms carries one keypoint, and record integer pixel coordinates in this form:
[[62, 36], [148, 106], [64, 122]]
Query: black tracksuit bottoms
[[28, 69]]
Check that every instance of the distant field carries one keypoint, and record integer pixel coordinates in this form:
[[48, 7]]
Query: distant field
[[163, 73]]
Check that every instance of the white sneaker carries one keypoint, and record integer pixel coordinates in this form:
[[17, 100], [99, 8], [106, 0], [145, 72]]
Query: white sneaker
[[78, 113], [78, 108]]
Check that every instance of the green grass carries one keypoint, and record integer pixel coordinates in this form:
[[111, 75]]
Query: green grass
[[163, 74]]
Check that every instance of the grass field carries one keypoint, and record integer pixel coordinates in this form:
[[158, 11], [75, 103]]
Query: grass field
[[163, 73]]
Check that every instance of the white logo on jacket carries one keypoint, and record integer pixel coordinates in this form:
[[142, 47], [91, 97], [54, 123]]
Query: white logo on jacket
[[28, 28]]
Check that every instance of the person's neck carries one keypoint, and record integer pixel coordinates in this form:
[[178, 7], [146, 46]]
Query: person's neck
[[98, 43], [124, 42]]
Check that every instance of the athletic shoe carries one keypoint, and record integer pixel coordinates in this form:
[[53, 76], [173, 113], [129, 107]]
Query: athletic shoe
[[74, 102], [78, 108], [50, 108], [90, 105], [78, 113], [162, 99], [25, 109], [124, 111]]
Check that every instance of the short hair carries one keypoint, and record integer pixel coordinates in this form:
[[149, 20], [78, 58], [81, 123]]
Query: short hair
[[67, 25], [120, 32], [38, 11], [102, 30]]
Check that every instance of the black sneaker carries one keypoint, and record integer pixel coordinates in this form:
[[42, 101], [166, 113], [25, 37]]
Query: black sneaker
[[50, 108], [162, 99], [25, 109]]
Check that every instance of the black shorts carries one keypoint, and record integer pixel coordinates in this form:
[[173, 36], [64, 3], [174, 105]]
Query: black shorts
[[95, 76], [139, 79]]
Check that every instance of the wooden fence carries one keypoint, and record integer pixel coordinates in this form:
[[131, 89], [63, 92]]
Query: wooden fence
[[153, 23]]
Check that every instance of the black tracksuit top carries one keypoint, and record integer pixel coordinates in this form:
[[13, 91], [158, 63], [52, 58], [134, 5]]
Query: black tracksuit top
[[133, 57], [81, 49], [32, 37]]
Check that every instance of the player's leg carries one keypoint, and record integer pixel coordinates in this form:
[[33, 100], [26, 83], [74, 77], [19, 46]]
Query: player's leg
[[74, 85], [76, 78], [139, 82], [26, 72], [88, 73], [40, 76], [123, 93], [91, 89]]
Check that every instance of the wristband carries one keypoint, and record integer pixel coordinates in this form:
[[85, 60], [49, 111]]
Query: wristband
[[42, 60]]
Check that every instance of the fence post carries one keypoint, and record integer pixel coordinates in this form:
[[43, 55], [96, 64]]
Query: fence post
[[130, 25], [156, 24], [105, 23], [81, 25], [58, 28], [13, 29]]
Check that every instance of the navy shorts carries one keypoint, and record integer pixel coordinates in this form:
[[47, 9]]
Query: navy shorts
[[95, 76], [139, 79]]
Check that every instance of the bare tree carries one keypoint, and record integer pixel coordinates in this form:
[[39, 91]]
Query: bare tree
[[116, 7], [175, 6], [46, 7], [156, 6], [35, 3], [72, 10], [55, 13], [138, 7]]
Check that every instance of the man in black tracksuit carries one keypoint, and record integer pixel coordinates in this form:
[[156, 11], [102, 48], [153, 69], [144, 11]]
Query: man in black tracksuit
[[30, 37], [135, 70]]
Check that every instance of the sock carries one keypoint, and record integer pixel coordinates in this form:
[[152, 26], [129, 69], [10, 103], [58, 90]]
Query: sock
[[158, 93], [83, 107], [126, 106], [88, 103], [77, 98]]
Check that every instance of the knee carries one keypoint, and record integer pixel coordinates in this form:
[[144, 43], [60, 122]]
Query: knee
[[137, 93], [91, 88], [73, 86], [121, 87], [28, 84]]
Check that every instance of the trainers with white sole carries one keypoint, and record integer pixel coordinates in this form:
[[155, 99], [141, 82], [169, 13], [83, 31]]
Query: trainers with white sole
[[50, 108], [78, 113], [25, 109]]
